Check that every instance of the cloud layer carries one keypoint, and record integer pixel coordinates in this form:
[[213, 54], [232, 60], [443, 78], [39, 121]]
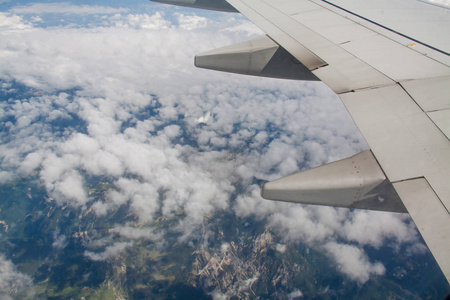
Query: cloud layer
[[65, 8], [123, 102], [13, 284]]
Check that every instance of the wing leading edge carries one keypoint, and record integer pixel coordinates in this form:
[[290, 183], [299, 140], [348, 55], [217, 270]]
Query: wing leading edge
[[394, 80]]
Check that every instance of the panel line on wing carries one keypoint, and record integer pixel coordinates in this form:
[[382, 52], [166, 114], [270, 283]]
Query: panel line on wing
[[387, 28], [290, 43]]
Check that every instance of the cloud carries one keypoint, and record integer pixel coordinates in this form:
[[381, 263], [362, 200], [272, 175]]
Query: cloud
[[109, 252], [65, 8], [172, 140], [13, 284], [373, 228], [59, 241], [138, 233], [13, 22], [141, 21], [353, 262], [190, 22], [295, 295], [281, 248], [321, 227]]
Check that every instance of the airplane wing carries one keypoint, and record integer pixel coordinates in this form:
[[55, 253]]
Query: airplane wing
[[388, 60]]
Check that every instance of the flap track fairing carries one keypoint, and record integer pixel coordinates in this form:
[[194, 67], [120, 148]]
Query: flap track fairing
[[354, 182], [218, 5], [259, 57]]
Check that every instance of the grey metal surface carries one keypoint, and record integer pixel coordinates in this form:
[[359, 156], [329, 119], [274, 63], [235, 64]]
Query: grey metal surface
[[411, 18], [346, 183], [260, 57], [432, 220], [360, 56], [442, 120], [406, 143], [431, 93]]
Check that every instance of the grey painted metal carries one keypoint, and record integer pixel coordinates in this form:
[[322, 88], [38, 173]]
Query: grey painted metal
[[359, 55], [260, 57], [288, 41], [219, 5], [346, 183], [432, 220], [341, 70], [442, 120], [395, 60], [406, 143], [433, 96], [411, 18], [431, 93], [429, 27]]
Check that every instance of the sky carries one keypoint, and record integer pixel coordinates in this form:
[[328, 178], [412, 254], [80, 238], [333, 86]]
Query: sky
[[140, 114]]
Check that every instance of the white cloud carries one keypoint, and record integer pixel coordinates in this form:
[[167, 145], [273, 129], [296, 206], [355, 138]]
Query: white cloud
[[295, 294], [109, 252], [142, 21], [137, 233], [59, 241], [13, 284], [319, 227], [216, 295], [190, 22], [281, 248], [373, 228], [12, 22], [6, 177], [134, 78], [353, 262], [70, 188], [252, 204], [65, 8], [172, 131]]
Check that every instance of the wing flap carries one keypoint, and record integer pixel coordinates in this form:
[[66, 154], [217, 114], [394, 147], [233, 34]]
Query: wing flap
[[430, 217], [390, 119]]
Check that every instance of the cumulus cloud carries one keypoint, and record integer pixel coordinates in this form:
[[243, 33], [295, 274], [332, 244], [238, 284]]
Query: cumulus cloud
[[172, 140], [321, 227], [12, 22], [373, 228], [353, 262], [13, 284], [109, 252], [281, 248], [65, 8], [136, 233], [190, 22], [295, 295], [59, 241], [141, 21]]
